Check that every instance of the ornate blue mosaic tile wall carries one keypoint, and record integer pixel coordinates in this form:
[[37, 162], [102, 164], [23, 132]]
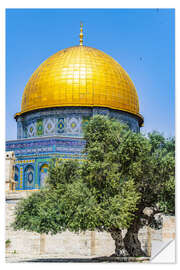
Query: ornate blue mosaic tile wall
[[33, 156], [65, 121], [55, 132]]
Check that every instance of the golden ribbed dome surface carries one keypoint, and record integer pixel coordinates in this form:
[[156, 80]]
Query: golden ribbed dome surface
[[80, 76]]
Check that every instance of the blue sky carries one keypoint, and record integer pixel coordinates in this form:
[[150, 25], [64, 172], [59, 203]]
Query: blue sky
[[141, 40]]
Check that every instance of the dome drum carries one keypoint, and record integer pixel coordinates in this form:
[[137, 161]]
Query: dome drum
[[67, 121]]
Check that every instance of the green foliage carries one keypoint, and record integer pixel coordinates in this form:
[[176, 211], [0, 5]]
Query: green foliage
[[7, 243], [61, 173], [163, 168], [124, 172], [167, 197], [75, 207], [115, 152]]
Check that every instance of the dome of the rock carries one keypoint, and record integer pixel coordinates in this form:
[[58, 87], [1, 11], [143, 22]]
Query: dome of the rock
[[62, 95]]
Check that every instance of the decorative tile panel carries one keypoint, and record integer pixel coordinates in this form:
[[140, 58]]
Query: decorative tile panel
[[16, 176], [31, 130], [25, 161], [39, 127], [21, 177], [73, 125], [60, 125], [49, 126]]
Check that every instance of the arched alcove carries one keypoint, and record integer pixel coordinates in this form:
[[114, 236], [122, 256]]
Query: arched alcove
[[43, 174], [29, 177]]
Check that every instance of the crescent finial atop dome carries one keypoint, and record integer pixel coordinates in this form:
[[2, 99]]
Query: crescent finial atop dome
[[81, 34]]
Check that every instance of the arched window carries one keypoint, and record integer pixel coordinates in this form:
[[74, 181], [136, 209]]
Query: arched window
[[29, 177], [43, 174]]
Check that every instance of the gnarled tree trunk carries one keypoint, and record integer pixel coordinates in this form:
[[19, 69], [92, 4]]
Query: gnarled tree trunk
[[120, 250], [131, 241]]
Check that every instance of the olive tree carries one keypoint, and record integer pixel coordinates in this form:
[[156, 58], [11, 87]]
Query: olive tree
[[123, 174]]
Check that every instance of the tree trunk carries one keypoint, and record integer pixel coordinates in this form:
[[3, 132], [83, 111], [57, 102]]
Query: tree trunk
[[131, 241], [120, 250]]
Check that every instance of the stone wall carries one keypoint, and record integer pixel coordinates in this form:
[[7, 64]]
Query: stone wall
[[67, 244], [168, 230]]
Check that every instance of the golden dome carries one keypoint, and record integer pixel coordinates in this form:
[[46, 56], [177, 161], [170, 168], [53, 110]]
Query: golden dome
[[80, 76]]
